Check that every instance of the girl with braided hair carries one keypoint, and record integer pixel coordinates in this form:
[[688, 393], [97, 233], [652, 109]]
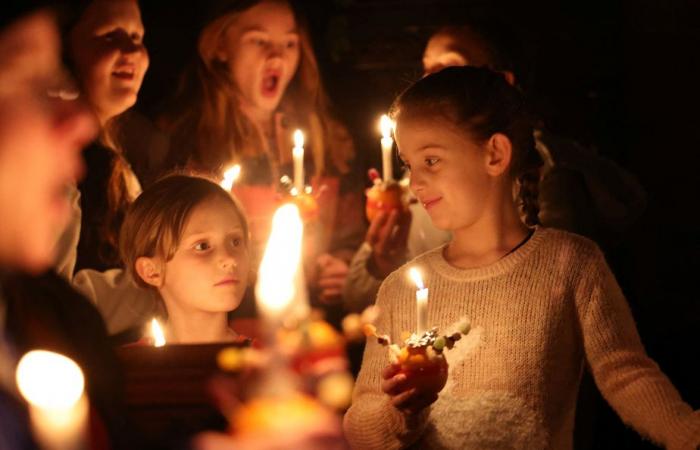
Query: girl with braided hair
[[542, 303]]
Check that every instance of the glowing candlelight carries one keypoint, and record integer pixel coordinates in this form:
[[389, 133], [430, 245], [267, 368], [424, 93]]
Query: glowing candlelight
[[386, 126], [230, 176], [421, 301], [53, 385], [298, 156], [157, 333], [280, 290]]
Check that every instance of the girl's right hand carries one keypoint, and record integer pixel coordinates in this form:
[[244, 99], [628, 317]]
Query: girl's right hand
[[407, 395]]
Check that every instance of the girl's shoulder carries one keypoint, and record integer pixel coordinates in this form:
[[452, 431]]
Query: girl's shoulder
[[570, 244]]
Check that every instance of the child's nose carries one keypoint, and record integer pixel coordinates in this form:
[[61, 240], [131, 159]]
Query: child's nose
[[228, 260], [276, 51], [416, 182]]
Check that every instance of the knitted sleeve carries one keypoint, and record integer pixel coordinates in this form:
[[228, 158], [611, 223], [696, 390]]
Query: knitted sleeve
[[630, 381], [372, 422]]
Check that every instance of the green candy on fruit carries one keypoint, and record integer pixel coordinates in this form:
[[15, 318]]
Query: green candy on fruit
[[439, 343], [465, 327]]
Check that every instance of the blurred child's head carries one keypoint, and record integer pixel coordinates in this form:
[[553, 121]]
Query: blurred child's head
[[105, 48], [466, 136], [259, 49], [188, 238], [464, 46], [254, 58], [41, 137]]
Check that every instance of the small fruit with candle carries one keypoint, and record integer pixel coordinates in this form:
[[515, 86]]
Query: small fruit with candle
[[384, 196], [308, 206], [421, 357], [422, 364]]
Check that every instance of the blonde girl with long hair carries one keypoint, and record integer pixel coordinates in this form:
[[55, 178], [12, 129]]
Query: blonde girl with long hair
[[255, 80]]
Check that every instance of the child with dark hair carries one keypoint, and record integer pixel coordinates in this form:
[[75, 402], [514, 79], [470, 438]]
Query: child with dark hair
[[187, 238], [103, 45], [543, 303], [579, 191]]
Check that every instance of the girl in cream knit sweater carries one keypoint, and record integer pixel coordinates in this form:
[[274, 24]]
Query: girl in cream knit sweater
[[542, 303]]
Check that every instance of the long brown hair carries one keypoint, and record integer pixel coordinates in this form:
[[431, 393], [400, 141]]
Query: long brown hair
[[118, 193], [210, 129], [482, 102]]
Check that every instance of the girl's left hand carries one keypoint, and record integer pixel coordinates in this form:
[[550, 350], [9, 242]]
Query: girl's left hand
[[332, 272]]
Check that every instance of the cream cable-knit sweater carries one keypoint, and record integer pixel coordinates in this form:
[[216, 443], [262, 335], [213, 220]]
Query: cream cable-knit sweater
[[537, 316]]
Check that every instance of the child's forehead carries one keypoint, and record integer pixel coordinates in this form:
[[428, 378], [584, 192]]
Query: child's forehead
[[213, 212], [416, 134]]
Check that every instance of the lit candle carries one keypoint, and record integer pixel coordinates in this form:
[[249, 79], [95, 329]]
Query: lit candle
[[386, 126], [53, 385], [298, 156], [157, 333], [421, 301], [230, 176], [280, 289]]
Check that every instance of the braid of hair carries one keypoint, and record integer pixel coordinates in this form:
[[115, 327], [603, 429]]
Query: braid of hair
[[528, 180], [528, 183]]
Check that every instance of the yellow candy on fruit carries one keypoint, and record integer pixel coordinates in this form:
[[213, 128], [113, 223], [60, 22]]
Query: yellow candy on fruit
[[230, 359]]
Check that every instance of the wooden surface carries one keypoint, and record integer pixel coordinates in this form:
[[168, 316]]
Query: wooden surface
[[166, 390]]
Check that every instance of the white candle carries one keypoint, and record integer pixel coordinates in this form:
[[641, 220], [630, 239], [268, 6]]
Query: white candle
[[280, 290], [230, 176], [53, 385], [157, 333], [298, 156], [386, 126], [421, 301]]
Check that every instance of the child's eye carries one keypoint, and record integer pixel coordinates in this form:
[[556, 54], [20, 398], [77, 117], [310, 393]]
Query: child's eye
[[237, 242], [110, 37], [291, 44], [202, 246], [431, 161]]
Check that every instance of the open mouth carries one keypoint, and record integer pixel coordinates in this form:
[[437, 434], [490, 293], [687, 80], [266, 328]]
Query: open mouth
[[125, 73], [270, 84]]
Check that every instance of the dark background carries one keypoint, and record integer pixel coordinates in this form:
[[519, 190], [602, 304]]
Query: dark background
[[620, 75]]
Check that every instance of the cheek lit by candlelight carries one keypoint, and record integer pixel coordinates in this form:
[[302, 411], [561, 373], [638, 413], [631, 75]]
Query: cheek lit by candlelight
[[275, 289], [49, 380], [157, 333], [230, 176]]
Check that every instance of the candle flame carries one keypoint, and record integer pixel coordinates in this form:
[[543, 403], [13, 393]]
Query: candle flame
[[275, 289], [230, 176], [50, 380], [298, 138], [157, 333], [416, 277], [386, 126]]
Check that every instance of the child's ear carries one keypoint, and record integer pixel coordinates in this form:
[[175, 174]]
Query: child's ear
[[499, 151], [220, 53], [149, 269]]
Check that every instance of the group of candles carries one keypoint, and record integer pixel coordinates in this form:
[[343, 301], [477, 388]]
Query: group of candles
[[53, 385]]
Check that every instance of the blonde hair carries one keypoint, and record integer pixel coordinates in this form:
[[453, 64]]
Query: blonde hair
[[222, 132], [154, 223]]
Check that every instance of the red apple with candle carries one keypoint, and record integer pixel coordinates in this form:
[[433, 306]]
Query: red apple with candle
[[384, 196]]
